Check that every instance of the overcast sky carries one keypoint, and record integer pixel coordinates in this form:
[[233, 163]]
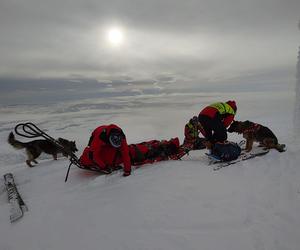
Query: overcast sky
[[165, 41]]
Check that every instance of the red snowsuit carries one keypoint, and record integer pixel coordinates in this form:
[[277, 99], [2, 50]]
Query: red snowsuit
[[100, 153], [154, 151]]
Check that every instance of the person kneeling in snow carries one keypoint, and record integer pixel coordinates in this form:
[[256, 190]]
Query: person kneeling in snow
[[192, 141], [107, 149], [214, 120]]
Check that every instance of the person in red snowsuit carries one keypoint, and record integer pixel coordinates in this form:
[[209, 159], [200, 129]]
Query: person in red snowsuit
[[107, 150], [154, 151], [214, 120]]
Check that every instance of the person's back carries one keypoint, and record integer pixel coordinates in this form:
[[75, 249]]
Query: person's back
[[223, 111]]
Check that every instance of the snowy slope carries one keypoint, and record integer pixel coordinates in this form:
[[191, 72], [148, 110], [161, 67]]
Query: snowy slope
[[253, 205]]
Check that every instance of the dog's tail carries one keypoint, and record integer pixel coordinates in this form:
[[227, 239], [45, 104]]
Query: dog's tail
[[15, 143]]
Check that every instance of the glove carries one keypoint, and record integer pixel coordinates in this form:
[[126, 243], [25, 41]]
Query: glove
[[126, 174]]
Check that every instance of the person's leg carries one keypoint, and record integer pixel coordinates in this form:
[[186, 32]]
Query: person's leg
[[206, 123], [219, 131]]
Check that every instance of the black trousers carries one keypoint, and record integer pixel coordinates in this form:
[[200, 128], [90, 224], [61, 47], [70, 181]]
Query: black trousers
[[214, 129]]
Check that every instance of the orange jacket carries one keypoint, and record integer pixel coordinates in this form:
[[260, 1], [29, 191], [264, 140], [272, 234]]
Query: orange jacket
[[102, 154]]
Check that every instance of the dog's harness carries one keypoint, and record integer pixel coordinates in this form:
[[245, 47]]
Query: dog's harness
[[253, 129]]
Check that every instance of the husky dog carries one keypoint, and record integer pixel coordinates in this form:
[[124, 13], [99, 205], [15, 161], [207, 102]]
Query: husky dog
[[256, 132], [36, 147]]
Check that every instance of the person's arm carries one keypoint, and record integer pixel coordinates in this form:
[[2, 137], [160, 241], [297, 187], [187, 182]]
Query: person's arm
[[228, 120], [126, 158]]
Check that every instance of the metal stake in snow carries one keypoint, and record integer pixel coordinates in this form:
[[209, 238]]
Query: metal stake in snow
[[297, 100]]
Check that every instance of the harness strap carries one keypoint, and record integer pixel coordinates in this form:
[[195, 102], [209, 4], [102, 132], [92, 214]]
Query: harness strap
[[254, 128]]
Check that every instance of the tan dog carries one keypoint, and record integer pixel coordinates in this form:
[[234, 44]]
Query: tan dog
[[255, 132], [36, 147]]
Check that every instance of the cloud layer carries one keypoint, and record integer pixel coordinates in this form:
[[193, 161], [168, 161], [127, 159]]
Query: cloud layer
[[170, 41]]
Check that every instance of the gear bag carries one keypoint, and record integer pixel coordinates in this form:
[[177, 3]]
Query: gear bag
[[226, 151]]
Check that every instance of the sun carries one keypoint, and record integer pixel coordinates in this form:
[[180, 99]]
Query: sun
[[115, 36]]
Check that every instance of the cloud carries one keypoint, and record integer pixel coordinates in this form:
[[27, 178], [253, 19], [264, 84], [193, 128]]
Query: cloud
[[165, 40]]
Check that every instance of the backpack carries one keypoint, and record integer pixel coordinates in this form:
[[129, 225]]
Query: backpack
[[226, 151]]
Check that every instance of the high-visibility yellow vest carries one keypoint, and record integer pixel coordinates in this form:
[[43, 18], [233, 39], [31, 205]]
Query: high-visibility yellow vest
[[223, 108], [193, 130]]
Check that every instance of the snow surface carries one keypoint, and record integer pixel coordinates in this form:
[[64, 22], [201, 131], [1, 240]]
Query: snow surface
[[184, 205]]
